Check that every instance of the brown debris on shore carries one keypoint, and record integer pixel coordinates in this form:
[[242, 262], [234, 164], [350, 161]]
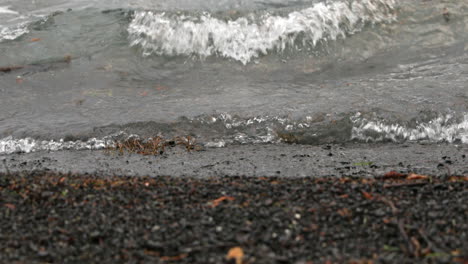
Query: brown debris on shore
[[63, 218], [153, 146], [39, 66], [10, 68]]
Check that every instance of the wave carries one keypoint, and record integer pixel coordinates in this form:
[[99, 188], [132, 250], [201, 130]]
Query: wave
[[7, 10], [223, 129], [440, 129], [11, 32], [10, 145], [251, 36]]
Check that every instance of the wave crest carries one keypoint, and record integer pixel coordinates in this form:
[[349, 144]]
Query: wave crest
[[13, 32], [441, 129], [249, 37], [224, 129]]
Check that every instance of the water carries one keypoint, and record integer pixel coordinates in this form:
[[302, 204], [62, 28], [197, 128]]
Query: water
[[232, 72]]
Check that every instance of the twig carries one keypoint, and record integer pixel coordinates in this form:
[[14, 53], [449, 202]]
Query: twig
[[429, 242], [395, 210], [411, 243], [405, 185], [417, 246], [403, 233], [10, 69]]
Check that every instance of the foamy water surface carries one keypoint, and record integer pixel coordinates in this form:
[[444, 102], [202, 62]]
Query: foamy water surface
[[77, 73]]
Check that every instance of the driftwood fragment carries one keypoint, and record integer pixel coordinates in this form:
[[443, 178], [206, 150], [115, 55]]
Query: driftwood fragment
[[10, 69], [39, 66]]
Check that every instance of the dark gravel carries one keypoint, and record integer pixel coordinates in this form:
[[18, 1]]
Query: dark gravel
[[65, 218]]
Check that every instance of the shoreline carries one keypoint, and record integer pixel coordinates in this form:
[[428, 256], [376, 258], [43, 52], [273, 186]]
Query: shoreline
[[327, 204], [282, 160]]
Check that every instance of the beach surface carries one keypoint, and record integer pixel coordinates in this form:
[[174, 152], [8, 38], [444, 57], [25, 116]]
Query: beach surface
[[283, 160], [310, 131], [67, 218]]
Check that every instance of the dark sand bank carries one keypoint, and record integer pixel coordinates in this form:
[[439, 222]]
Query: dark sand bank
[[279, 203], [363, 160], [68, 218]]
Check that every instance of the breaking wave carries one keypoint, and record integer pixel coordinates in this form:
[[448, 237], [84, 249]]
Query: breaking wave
[[253, 35], [441, 129], [7, 10], [10, 145], [11, 32], [223, 129]]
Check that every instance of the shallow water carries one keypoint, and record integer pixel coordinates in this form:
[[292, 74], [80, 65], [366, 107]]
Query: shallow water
[[232, 72]]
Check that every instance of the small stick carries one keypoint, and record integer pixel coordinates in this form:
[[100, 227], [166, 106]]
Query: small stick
[[405, 185], [389, 203], [403, 233], [417, 246], [10, 69], [429, 242]]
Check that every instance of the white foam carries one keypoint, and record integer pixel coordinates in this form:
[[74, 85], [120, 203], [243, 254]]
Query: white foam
[[249, 37], [261, 129], [7, 10], [10, 145], [13, 32], [441, 129]]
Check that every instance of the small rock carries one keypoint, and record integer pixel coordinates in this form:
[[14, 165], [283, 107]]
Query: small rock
[[46, 194]]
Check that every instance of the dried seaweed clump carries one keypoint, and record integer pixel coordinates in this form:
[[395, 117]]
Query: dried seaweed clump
[[153, 146]]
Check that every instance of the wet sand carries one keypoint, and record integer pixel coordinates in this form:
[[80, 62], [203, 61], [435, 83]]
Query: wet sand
[[283, 160]]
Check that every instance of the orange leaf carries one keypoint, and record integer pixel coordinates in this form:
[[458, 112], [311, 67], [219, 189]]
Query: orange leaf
[[117, 183], [235, 253], [367, 195], [460, 260], [414, 176], [367, 181], [344, 212], [458, 178], [10, 206], [387, 221], [344, 180], [344, 196], [393, 174], [35, 39], [152, 253], [220, 199], [161, 87]]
